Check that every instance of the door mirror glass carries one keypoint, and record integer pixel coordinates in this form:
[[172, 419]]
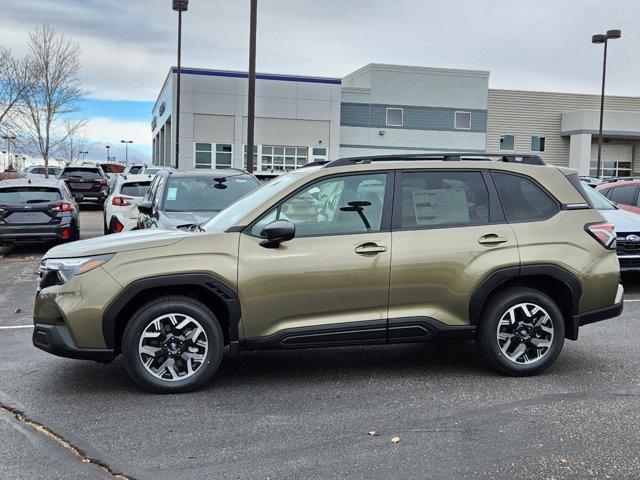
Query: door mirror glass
[[145, 207], [277, 232]]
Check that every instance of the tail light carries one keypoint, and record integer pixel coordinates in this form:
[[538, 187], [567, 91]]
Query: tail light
[[121, 201], [604, 233], [62, 207], [66, 233], [117, 226], [101, 181]]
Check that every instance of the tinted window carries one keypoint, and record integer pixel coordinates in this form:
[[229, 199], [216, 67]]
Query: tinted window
[[135, 170], [83, 173], [135, 189], [205, 194], [625, 194], [434, 198], [522, 200], [17, 195], [341, 205]]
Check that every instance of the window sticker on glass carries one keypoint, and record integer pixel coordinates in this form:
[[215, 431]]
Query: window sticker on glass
[[440, 206], [172, 193]]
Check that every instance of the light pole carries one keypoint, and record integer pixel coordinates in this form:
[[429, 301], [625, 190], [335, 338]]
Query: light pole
[[598, 39], [252, 83], [126, 150], [179, 6], [4, 160], [83, 153], [107, 147]]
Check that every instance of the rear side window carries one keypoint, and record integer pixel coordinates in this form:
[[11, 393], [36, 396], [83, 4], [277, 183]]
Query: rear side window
[[18, 195], [625, 195], [523, 200], [135, 189], [437, 199], [83, 173]]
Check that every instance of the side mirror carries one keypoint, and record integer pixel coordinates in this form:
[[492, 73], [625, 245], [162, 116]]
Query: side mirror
[[277, 232], [145, 207]]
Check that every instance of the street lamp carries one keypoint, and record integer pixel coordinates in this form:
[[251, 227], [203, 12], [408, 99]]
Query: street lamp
[[598, 39], [107, 147], [83, 153], [9, 139], [179, 6], [126, 150], [252, 84]]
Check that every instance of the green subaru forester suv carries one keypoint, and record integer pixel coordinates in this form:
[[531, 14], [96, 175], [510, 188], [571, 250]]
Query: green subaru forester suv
[[367, 250]]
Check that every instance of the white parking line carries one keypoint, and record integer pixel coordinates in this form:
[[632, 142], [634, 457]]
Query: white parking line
[[15, 327], [632, 300]]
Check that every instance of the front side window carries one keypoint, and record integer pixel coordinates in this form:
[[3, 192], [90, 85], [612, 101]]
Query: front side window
[[522, 200], [203, 155], [395, 117], [438, 199], [462, 121], [626, 195], [342, 205], [538, 144], [507, 142]]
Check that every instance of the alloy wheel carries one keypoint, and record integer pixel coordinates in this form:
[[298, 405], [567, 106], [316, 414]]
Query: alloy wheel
[[173, 347], [525, 333]]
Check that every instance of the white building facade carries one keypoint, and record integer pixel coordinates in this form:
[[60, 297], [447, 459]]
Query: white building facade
[[297, 120]]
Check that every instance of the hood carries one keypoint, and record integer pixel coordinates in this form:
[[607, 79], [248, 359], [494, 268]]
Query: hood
[[176, 219], [118, 242], [624, 221]]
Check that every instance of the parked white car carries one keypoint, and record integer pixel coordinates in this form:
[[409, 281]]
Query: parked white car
[[37, 171], [121, 207]]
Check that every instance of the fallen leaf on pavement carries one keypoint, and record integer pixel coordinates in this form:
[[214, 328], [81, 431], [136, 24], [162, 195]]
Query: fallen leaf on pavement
[[372, 432], [395, 440], [18, 310], [563, 460]]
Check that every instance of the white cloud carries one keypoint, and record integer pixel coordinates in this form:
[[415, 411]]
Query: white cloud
[[109, 130]]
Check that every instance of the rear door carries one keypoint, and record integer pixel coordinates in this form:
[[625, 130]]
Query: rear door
[[448, 234]]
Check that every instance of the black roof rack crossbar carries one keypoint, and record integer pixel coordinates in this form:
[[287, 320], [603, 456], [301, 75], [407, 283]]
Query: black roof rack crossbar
[[523, 158]]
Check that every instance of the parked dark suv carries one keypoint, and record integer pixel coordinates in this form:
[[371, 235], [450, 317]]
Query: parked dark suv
[[37, 210], [184, 198], [86, 183]]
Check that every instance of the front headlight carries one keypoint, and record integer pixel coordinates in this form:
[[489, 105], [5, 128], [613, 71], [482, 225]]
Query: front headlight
[[66, 268]]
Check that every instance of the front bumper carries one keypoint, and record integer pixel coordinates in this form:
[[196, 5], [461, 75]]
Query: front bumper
[[56, 339]]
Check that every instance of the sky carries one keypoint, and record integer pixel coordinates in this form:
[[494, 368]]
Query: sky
[[129, 45]]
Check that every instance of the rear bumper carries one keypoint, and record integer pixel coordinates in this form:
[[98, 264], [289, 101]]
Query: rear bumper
[[86, 196], [55, 339], [605, 313], [36, 233]]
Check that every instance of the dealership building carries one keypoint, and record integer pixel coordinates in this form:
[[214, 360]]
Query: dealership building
[[385, 109]]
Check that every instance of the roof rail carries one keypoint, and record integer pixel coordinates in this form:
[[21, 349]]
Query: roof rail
[[523, 158], [315, 163], [619, 179]]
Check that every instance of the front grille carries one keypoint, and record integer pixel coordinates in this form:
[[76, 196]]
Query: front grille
[[629, 262], [627, 248]]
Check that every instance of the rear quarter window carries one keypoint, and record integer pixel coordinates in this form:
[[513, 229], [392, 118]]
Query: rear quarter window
[[522, 199]]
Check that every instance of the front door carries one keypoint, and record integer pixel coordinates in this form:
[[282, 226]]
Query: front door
[[448, 234], [329, 284]]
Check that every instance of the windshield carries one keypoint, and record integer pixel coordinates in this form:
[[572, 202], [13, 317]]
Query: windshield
[[599, 201], [204, 193], [229, 216], [17, 195], [83, 173]]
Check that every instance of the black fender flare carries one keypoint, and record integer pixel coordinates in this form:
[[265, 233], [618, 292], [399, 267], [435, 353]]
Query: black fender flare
[[214, 285], [502, 275]]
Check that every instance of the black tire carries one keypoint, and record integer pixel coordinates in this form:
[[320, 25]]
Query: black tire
[[487, 331], [144, 316], [104, 224]]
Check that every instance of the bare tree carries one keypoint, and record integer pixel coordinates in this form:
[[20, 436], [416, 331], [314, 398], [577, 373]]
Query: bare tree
[[14, 82], [55, 92], [74, 141]]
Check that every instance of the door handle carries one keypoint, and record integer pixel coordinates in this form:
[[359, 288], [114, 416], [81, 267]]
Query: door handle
[[491, 239], [369, 249]]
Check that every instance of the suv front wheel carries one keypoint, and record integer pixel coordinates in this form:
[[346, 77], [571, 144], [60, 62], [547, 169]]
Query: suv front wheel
[[521, 332], [172, 344]]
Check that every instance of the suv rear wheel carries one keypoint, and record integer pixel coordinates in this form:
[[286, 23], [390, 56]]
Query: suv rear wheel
[[521, 332], [172, 344]]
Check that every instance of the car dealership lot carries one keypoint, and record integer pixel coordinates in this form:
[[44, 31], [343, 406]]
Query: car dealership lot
[[305, 414]]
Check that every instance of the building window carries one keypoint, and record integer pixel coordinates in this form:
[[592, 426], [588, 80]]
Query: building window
[[282, 158], [394, 117], [319, 154], [223, 155], [462, 121], [255, 157], [203, 155], [507, 142], [537, 144]]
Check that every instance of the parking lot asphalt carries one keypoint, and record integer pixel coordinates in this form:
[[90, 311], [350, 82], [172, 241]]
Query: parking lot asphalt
[[306, 413]]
